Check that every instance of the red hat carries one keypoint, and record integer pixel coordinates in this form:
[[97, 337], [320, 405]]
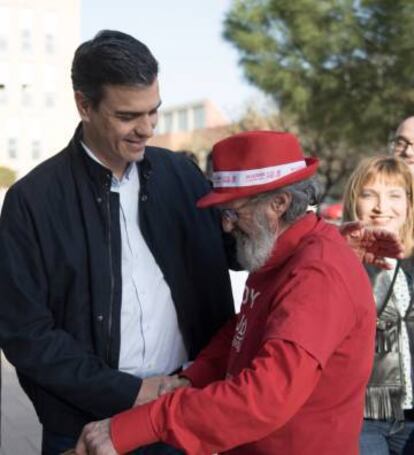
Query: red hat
[[254, 162]]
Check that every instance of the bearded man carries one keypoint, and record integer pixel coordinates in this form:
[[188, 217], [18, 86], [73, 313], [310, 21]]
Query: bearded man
[[288, 374]]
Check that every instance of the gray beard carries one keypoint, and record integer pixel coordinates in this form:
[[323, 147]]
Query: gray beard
[[254, 251]]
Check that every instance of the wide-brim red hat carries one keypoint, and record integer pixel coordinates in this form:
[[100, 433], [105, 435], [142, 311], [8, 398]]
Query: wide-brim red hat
[[254, 162]]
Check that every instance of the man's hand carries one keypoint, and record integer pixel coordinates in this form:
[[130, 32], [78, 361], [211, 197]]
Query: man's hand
[[171, 383], [372, 245], [150, 389], [95, 440]]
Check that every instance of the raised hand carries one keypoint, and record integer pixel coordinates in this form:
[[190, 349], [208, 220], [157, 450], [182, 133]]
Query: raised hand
[[372, 245]]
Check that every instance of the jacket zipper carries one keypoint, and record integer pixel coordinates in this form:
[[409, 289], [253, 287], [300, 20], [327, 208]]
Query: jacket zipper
[[112, 280]]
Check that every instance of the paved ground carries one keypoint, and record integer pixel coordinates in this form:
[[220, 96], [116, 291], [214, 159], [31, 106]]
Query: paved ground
[[20, 429]]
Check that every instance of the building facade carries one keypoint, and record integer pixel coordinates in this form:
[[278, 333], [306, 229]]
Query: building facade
[[191, 127], [37, 111]]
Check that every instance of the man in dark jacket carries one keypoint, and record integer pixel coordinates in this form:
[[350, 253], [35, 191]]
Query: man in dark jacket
[[110, 275]]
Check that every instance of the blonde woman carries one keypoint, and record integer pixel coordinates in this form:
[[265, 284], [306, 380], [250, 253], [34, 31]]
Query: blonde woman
[[380, 194]]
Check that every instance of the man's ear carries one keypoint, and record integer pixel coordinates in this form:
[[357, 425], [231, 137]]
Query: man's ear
[[83, 104], [281, 203]]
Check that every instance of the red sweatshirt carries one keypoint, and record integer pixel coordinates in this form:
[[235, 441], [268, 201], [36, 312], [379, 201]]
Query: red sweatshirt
[[289, 375]]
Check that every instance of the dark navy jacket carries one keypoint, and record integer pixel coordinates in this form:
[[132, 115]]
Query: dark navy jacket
[[60, 277]]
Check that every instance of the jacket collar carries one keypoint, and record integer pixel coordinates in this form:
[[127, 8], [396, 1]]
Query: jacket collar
[[289, 240]]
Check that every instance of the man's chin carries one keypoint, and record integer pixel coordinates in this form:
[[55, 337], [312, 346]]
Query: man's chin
[[253, 255], [136, 156], [135, 150], [251, 261], [140, 157]]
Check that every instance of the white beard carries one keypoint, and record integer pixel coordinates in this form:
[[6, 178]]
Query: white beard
[[254, 250]]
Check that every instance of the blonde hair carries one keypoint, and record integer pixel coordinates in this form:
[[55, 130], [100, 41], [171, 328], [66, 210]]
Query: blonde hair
[[391, 170]]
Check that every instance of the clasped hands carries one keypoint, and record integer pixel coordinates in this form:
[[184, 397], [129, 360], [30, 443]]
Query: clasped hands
[[95, 438]]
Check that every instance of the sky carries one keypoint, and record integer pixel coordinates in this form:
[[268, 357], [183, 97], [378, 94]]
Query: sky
[[186, 38]]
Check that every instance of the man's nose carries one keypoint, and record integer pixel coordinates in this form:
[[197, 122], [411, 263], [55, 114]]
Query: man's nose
[[145, 126]]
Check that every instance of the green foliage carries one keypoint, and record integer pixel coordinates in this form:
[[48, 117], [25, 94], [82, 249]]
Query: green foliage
[[341, 70], [255, 119], [7, 177]]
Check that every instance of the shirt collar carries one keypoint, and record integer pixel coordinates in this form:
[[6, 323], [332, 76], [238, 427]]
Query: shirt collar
[[115, 180]]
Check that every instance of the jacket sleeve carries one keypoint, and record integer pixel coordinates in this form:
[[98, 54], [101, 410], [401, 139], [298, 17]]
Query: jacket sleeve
[[211, 364], [46, 355], [229, 413]]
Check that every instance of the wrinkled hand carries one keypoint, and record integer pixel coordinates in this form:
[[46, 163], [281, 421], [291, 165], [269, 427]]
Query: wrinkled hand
[[95, 439], [171, 383], [372, 245], [150, 389]]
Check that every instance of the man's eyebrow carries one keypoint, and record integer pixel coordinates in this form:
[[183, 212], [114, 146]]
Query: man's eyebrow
[[120, 112]]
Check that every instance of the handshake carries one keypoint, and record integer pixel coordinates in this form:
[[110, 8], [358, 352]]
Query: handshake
[[154, 387], [95, 438]]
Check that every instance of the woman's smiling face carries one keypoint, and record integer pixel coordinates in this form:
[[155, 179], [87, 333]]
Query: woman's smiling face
[[383, 204]]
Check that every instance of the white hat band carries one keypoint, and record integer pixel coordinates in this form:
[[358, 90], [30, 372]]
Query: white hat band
[[252, 177]]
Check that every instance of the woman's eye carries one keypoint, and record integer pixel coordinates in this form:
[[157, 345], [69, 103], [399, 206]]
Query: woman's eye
[[366, 195]]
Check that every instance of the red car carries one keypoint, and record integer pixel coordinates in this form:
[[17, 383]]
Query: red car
[[331, 212]]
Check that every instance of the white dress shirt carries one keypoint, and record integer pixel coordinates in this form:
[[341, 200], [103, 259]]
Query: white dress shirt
[[151, 342]]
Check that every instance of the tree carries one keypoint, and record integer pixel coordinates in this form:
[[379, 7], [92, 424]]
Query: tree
[[7, 177], [341, 70]]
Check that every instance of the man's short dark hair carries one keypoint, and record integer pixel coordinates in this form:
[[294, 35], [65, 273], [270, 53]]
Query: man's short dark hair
[[111, 58]]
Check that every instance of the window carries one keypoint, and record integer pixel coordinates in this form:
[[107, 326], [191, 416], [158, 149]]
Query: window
[[50, 27], [4, 83], [183, 120], [50, 45], [34, 135], [27, 99], [168, 123], [36, 150], [26, 38], [26, 84], [12, 148], [49, 85], [3, 95], [3, 44], [199, 117], [5, 20], [50, 99], [26, 30]]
